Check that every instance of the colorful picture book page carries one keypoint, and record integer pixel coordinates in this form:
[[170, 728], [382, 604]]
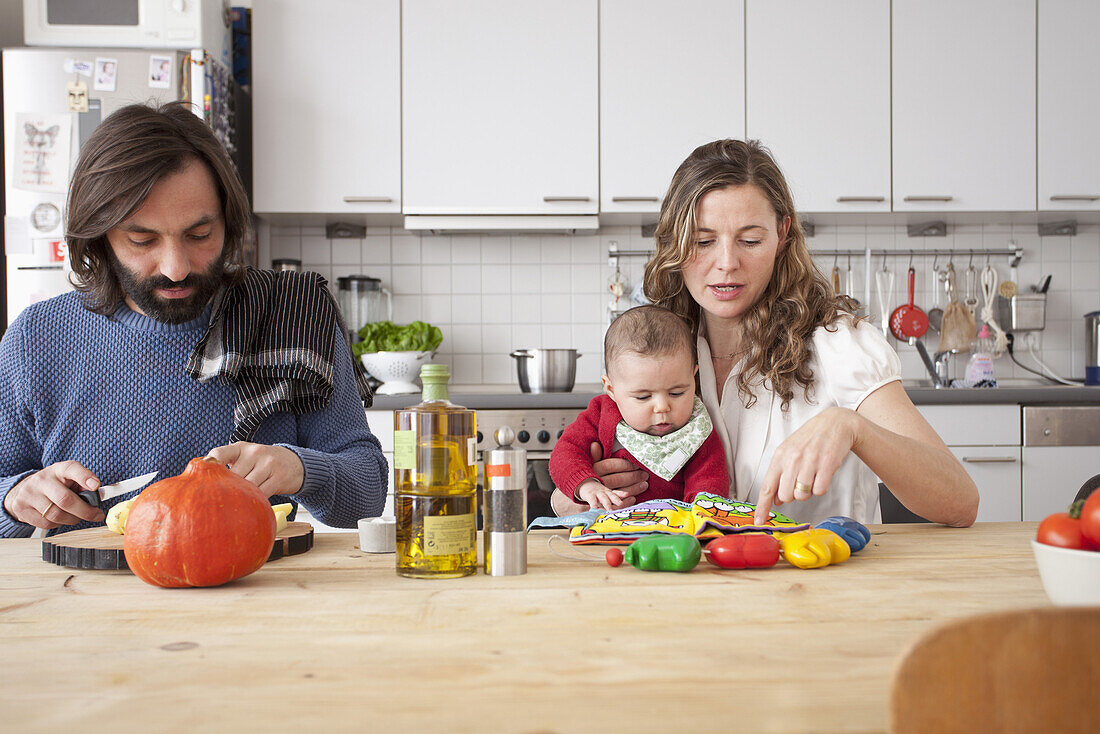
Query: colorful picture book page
[[709, 516]]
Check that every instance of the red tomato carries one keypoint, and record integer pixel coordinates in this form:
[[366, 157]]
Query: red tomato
[[1063, 531], [614, 556], [1090, 518], [744, 550]]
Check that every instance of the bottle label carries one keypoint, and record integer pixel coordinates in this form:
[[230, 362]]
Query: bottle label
[[404, 450], [446, 535], [498, 470], [471, 451]]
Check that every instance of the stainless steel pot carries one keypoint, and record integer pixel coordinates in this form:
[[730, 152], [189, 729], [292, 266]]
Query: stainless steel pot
[[546, 370]]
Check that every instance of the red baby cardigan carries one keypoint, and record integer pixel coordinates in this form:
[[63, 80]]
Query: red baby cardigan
[[571, 460]]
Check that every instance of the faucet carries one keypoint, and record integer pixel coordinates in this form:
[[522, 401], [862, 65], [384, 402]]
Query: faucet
[[937, 366]]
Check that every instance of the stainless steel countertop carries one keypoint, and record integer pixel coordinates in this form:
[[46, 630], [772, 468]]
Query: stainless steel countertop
[[1012, 391]]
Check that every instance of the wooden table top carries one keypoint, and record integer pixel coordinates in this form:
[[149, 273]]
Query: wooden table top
[[334, 640]]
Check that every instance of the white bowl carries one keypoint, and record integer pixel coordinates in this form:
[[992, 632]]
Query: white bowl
[[1071, 577], [397, 370]]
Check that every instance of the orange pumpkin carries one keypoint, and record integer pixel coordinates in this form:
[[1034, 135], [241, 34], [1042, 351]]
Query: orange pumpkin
[[205, 527]]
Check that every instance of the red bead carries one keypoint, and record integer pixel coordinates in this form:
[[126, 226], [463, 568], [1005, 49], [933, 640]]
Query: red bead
[[614, 556]]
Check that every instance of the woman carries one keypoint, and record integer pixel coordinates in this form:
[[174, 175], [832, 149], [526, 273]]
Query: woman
[[806, 398]]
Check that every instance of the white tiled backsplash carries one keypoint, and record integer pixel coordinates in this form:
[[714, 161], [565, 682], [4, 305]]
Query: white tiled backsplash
[[491, 294]]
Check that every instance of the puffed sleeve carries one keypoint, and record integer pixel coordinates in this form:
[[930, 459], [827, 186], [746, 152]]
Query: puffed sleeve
[[853, 362]]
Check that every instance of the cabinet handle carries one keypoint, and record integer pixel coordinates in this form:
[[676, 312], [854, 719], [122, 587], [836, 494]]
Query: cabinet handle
[[566, 198], [367, 199], [848, 199], [1075, 197], [636, 198], [929, 198], [990, 459]]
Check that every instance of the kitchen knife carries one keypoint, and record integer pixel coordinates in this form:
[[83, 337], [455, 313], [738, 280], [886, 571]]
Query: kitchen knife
[[97, 497]]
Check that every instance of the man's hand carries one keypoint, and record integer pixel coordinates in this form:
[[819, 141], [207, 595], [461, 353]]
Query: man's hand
[[274, 469], [47, 499], [618, 475]]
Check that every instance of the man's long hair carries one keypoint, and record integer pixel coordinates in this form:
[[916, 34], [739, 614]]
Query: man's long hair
[[125, 157]]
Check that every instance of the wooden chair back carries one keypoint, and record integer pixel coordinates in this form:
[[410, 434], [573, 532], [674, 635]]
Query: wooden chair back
[[1030, 670]]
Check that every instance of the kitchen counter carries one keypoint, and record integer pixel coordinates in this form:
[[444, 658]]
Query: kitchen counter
[[509, 397], [334, 640]]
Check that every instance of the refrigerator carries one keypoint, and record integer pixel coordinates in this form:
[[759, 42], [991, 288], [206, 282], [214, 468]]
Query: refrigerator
[[53, 98]]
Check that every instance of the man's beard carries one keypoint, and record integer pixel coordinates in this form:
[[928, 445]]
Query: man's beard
[[142, 291]]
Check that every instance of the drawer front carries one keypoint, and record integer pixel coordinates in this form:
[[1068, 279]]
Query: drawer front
[[975, 425], [996, 472]]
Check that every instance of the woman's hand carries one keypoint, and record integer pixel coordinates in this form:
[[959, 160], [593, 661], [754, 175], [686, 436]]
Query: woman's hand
[[624, 479], [803, 465], [274, 469], [47, 499]]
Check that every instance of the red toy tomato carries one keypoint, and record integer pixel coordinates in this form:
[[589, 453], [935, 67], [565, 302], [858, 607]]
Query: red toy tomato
[[614, 557], [1090, 518], [744, 550], [1063, 530]]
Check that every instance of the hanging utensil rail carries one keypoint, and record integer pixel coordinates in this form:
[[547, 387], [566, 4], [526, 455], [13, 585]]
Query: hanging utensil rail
[[1014, 255]]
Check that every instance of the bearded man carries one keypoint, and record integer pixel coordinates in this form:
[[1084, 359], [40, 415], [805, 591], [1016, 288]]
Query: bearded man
[[170, 349]]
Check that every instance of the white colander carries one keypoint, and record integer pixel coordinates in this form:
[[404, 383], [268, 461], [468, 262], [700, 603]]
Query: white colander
[[397, 370]]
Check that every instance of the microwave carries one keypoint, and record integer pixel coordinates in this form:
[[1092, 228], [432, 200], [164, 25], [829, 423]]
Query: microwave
[[155, 24]]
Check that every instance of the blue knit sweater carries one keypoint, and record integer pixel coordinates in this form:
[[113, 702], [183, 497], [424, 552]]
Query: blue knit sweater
[[111, 393]]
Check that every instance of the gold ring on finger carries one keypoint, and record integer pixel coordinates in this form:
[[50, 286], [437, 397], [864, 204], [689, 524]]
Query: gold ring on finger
[[803, 488]]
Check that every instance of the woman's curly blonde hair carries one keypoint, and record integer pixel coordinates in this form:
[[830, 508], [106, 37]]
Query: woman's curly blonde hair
[[777, 328]]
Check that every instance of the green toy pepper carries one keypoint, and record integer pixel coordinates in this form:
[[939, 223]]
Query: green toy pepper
[[664, 553]]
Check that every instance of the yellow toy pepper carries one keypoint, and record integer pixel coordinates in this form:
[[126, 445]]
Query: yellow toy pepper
[[813, 548]]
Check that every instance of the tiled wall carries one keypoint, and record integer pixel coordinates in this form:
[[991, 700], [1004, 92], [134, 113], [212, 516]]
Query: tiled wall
[[495, 293]]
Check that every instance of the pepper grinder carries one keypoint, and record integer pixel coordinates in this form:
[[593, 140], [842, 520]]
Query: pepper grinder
[[505, 507]]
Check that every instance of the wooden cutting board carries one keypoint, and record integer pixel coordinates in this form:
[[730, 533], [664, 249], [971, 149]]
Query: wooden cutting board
[[99, 548]]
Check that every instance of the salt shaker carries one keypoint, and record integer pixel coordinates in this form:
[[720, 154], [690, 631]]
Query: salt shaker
[[505, 507]]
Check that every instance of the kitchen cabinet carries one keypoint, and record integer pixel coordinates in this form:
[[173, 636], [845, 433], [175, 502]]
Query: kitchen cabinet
[[818, 96], [986, 440], [1061, 452], [500, 107], [1069, 105], [326, 95], [672, 77], [380, 423], [964, 130]]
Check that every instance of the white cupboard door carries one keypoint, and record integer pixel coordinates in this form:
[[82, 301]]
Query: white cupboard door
[[818, 96], [672, 77], [1069, 105], [326, 86], [964, 105], [996, 470], [500, 107]]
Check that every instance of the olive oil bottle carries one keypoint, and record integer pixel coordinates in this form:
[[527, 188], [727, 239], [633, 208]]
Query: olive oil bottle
[[435, 483]]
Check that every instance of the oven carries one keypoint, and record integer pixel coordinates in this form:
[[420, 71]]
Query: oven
[[536, 430]]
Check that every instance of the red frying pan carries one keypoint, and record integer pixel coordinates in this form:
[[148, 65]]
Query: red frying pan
[[908, 320]]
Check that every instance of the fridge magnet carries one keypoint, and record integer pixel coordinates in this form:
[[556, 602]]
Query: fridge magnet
[[160, 72], [106, 71], [45, 217], [77, 94], [41, 155], [77, 66]]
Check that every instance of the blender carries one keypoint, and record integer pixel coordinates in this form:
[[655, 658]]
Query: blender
[[363, 300]]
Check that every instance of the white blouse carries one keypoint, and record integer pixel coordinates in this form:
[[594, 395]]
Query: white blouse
[[848, 363]]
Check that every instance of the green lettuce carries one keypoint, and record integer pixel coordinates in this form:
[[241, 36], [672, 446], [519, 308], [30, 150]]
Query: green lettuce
[[386, 336]]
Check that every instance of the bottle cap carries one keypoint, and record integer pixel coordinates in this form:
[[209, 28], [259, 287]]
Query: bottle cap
[[983, 333], [435, 373]]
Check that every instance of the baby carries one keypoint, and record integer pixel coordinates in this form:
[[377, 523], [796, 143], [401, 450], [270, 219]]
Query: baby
[[649, 416]]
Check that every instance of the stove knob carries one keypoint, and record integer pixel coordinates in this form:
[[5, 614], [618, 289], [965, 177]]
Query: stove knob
[[480, 438], [560, 432], [523, 436], [544, 436]]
